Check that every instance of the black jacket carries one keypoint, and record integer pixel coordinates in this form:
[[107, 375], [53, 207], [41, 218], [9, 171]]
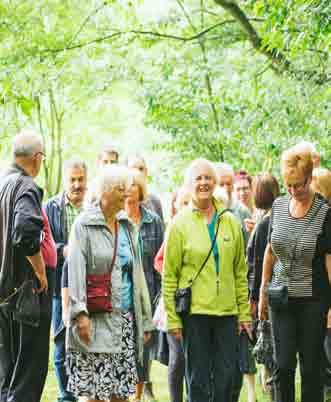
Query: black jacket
[[255, 253], [21, 225]]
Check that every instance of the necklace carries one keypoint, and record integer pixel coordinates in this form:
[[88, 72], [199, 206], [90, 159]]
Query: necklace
[[207, 212], [299, 209]]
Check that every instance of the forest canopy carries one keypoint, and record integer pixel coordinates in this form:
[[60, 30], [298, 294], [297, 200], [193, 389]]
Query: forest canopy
[[175, 79]]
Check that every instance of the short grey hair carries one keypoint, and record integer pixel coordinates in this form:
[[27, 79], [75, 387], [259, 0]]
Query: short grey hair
[[108, 149], [224, 169], [194, 164], [109, 177], [132, 159], [27, 143], [74, 163]]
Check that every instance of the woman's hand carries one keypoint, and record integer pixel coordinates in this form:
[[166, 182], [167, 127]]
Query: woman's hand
[[329, 319], [249, 224], [177, 333], [147, 337], [253, 308], [84, 328], [247, 327], [263, 306]]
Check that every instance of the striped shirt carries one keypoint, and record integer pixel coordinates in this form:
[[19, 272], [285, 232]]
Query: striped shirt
[[71, 214], [300, 245]]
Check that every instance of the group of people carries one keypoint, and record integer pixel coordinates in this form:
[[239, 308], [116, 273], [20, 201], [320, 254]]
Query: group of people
[[116, 285]]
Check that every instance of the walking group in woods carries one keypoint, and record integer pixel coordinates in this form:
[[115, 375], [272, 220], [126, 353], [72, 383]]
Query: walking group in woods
[[238, 275]]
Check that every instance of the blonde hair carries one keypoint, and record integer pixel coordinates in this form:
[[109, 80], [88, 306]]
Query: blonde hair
[[138, 178], [296, 161], [322, 182]]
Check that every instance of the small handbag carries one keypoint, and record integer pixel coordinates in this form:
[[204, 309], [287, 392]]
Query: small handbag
[[27, 307], [98, 287], [278, 297], [183, 296]]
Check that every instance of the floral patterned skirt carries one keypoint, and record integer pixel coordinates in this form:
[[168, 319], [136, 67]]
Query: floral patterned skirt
[[103, 375]]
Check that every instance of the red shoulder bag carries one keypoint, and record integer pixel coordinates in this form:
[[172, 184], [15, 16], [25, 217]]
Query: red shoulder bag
[[98, 287]]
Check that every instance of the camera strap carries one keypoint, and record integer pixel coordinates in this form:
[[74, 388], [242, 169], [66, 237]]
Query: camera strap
[[219, 216]]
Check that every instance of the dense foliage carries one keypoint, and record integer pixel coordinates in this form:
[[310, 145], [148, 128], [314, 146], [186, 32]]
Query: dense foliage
[[228, 80]]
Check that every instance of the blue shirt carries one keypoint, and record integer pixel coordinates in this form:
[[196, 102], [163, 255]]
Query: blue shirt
[[124, 254]]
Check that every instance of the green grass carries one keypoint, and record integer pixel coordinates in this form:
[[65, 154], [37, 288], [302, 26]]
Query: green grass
[[159, 378], [160, 384]]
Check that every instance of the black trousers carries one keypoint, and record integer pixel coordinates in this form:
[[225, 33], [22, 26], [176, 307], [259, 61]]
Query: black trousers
[[299, 329], [24, 352], [210, 349]]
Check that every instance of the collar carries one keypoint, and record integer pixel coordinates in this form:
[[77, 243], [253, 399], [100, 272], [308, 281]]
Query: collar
[[67, 202], [15, 166], [146, 215], [217, 204]]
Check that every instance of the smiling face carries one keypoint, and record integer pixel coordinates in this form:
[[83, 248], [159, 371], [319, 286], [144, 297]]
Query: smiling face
[[202, 183], [75, 184]]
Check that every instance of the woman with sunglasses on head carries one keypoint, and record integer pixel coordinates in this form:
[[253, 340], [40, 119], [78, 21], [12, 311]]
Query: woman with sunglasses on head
[[295, 279]]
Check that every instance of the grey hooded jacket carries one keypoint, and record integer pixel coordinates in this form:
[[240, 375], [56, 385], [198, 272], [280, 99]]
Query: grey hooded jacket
[[91, 248]]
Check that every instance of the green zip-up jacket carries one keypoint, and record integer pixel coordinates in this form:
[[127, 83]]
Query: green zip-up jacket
[[186, 247]]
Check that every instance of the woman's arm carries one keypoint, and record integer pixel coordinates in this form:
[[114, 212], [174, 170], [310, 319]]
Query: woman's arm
[[173, 260], [77, 266], [328, 270], [268, 263], [259, 250]]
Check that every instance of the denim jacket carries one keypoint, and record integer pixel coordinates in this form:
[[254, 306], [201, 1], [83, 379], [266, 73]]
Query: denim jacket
[[151, 234]]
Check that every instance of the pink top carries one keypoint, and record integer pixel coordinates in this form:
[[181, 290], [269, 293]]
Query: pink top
[[47, 245], [158, 260]]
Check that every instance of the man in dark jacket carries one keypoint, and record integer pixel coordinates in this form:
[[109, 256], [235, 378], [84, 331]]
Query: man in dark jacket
[[21, 260], [62, 211]]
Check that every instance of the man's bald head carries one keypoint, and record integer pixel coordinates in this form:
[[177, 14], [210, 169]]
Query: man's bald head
[[26, 144]]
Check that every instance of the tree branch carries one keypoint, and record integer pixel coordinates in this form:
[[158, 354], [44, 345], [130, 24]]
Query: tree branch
[[275, 55], [280, 63], [138, 33], [85, 21]]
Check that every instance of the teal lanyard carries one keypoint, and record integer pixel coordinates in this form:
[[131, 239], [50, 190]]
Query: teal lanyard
[[211, 230]]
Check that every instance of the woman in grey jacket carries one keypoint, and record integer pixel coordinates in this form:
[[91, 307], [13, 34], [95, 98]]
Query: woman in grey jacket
[[101, 346]]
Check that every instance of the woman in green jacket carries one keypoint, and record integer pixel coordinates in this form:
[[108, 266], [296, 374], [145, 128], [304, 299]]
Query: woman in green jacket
[[219, 294]]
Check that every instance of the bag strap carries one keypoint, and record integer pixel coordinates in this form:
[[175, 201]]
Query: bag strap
[[115, 248], [219, 216], [89, 249]]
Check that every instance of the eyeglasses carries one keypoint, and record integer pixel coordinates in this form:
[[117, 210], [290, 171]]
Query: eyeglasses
[[243, 189], [297, 186]]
